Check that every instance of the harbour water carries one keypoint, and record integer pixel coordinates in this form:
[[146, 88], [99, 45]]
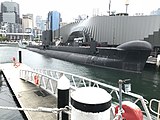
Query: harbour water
[[146, 84]]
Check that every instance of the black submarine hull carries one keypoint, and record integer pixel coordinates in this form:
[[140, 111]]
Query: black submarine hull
[[130, 56]]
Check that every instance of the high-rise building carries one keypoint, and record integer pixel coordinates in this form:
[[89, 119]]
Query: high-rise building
[[27, 23], [10, 15], [40, 23], [53, 24], [10, 12], [0, 15], [54, 20], [43, 25], [40, 26], [156, 12]]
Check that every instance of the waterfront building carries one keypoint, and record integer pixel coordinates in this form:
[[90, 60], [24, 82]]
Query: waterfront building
[[156, 12], [43, 25], [40, 26], [27, 23], [54, 20], [39, 22], [10, 12], [114, 30], [37, 33], [0, 15], [53, 27], [10, 21]]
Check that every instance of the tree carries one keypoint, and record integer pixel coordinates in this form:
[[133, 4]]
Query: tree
[[3, 38]]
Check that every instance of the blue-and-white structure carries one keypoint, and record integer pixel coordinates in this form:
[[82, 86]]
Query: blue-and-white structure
[[54, 23], [53, 28]]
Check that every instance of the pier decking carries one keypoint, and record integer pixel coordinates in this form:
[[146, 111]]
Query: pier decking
[[29, 95]]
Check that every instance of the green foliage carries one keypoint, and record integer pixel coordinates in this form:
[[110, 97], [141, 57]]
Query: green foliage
[[3, 38], [36, 39]]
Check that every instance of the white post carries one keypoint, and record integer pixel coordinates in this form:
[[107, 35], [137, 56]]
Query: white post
[[90, 103], [158, 61]]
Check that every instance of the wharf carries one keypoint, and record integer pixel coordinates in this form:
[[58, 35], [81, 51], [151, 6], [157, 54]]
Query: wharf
[[29, 95], [152, 63], [151, 60]]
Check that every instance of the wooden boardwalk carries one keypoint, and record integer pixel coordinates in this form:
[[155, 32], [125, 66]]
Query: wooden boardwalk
[[29, 95]]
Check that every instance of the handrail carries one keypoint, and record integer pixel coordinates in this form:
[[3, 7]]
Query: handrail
[[150, 107], [46, 82], [76, 81]]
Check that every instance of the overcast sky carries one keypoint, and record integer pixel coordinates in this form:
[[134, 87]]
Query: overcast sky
[[70, 9]]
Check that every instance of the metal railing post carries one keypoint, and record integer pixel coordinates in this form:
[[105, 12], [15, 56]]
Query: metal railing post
[[120, 98], [158, 115]]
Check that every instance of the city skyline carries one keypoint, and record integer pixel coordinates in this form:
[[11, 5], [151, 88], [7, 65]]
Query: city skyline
[[70, 9]]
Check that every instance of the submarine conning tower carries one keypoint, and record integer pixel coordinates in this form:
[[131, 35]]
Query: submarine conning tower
[[136, 45], [137, 53]]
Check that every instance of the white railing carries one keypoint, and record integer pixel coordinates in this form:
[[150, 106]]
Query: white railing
[[48, 81], [153, 102]]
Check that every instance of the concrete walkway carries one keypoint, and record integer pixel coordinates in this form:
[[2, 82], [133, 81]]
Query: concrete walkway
[[29, 95]]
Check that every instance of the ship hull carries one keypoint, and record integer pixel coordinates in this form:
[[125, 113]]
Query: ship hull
[[130, 56]]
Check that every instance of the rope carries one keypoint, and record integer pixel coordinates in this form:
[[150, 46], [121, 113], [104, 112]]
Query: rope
[[39, 109]]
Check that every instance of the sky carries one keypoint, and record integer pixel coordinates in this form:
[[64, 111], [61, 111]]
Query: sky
[[70, 9]]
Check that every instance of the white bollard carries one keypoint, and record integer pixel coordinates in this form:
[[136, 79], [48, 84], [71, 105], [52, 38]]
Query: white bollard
[[158, 61], [63, 95], [90, 103]]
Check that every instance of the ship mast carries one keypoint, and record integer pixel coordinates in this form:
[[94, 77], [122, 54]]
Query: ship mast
[[126, 3], [109, 8]]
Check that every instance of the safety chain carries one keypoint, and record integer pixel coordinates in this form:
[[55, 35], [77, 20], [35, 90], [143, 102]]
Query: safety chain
[[39, 109]]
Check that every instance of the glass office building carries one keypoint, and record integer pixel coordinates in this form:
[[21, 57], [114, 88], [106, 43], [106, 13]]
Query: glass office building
[[10, 9], [53, 20]]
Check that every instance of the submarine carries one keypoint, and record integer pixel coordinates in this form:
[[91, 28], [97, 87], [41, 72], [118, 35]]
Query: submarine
[[115, 42], [130, 56]]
